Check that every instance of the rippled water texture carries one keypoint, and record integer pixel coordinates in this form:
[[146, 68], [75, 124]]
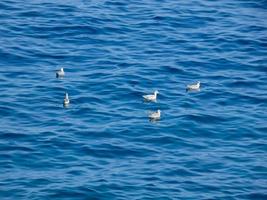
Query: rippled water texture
[[208, 144]]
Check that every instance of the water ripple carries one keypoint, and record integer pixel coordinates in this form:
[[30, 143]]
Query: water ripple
[[209, 144]]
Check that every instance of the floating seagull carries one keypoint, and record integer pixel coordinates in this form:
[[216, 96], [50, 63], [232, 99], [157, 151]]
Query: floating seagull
[[193, 86], [154, 115], [60, 73], [151, 97], [66, 100]]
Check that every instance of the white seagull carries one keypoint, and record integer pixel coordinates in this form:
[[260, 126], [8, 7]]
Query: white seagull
[[151, 97], [66, 100], [154, 115], [193, 86], [60, 73]]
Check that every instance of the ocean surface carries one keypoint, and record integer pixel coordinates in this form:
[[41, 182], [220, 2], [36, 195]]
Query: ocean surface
[[208, 144]]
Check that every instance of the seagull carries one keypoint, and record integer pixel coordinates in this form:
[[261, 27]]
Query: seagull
[[66, 100], [60, 73], [151, 97], [154, 115], [193, 86]]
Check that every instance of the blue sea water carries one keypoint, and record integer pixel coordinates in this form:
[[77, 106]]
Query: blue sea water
[[210, 144]]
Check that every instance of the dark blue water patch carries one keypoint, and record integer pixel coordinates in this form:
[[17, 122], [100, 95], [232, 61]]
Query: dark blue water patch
[[7, 5], [13, 58], [208, 144], [79, 193]]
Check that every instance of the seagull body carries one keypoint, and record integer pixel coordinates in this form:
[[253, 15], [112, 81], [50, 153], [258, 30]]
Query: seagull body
[[151, 97], [154, 115], [60, 73], [66, 100], [193, 86]]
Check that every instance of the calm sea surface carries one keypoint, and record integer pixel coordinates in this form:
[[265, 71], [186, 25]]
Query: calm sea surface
[[210, 144]]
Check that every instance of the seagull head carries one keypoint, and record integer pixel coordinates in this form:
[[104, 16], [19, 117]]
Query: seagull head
[[156, 92], [66, 95], [62, 69]]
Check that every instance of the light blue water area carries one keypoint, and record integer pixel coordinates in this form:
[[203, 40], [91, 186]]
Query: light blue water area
[[208, 144]]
